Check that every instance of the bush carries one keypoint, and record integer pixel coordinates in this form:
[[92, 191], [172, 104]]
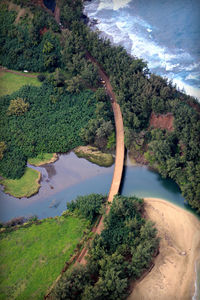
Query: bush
[[41, 77], [88, 206]]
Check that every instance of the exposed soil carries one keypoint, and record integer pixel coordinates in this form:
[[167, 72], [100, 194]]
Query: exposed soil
[[162, 121], [39, 3], [21, 13], [43, 30], [57, 14]]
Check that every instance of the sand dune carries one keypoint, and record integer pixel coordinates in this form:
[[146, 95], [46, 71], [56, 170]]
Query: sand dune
[[173, 276]]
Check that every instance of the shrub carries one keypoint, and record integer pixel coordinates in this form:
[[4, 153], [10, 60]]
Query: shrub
[[41, 77]]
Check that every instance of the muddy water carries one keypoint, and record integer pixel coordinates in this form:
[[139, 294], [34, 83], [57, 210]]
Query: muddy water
[[71, 176]]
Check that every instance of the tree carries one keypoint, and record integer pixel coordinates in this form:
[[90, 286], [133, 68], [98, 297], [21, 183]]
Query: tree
[[72, 284], [88, 206], [17, 107], [74, 85]]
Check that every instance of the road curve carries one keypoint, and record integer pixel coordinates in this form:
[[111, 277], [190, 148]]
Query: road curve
[[119, 158]]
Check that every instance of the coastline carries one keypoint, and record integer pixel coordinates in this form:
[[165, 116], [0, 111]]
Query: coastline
[[174, 266]]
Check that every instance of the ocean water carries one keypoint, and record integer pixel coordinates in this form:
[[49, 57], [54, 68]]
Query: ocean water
[[165, 33]]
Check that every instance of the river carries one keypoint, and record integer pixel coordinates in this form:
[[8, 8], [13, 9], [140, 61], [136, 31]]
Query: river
[[71, 176]]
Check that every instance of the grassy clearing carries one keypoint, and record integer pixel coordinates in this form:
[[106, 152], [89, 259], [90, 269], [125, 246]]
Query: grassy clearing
[[26, 186], [32, 258], [43, 158], [10, 82], [94, 155]]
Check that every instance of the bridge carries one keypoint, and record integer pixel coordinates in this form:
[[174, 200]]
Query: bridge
[[119, 158]]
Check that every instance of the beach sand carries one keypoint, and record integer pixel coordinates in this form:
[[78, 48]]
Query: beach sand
[[173, 276]]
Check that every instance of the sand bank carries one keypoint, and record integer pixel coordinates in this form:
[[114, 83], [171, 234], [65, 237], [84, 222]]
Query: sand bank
[[173, 276]]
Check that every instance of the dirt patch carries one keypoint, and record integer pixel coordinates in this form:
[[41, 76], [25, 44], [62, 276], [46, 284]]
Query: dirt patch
[[57, 14], [162, 121], [39, 3], [43, 30], [21, 13]]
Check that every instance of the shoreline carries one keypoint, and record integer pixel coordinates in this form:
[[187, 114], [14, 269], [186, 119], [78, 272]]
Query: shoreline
[[94, 155], [174, 266], [43, 162], [28, 194]]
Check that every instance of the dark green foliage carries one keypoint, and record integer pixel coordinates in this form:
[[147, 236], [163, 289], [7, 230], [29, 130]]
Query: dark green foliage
[[71, 11], [73, 283], [176, 154], [26, 45], [122, 251], [41, 77], [88, 206], [48, 126], [140, 93]]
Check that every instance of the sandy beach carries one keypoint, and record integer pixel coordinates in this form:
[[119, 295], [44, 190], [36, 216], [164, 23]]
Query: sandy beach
[[173, 276]]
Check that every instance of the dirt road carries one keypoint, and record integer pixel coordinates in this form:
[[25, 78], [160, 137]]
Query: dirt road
[[119, 159]]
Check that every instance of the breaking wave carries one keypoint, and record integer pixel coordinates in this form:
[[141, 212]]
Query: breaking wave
[[118, 21]]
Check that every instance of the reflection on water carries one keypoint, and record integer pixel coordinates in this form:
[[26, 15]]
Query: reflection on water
[[71, 176], [62, 181], [143, 182]]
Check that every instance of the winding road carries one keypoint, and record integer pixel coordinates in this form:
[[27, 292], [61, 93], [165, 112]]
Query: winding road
[[119, 159]]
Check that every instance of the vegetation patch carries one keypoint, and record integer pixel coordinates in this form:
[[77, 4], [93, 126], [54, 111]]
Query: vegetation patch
[[33, 257], [94, 155], [42, 159], [26, 186], [122, 252], [52, 124], [10, 82]]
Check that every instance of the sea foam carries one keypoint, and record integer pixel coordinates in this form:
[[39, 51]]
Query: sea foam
[[113, 4], [124, 27]]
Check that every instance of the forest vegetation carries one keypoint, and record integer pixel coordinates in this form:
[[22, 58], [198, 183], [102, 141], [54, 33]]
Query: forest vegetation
[[174, 154], [122, 252], [70, 108], [49, 118]]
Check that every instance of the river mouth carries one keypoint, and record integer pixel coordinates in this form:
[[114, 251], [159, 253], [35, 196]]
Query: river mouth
[[71, 176]]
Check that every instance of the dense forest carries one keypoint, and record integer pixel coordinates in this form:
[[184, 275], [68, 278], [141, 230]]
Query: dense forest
[[174, 154], [59, 115], [119, 254], [31, 43]]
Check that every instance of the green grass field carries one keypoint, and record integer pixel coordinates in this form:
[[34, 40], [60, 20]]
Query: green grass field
[[10, 82], [41, 159], [32, 258], [26, 186]]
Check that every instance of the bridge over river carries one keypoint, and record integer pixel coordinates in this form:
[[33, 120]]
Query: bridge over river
[[119, 158]]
